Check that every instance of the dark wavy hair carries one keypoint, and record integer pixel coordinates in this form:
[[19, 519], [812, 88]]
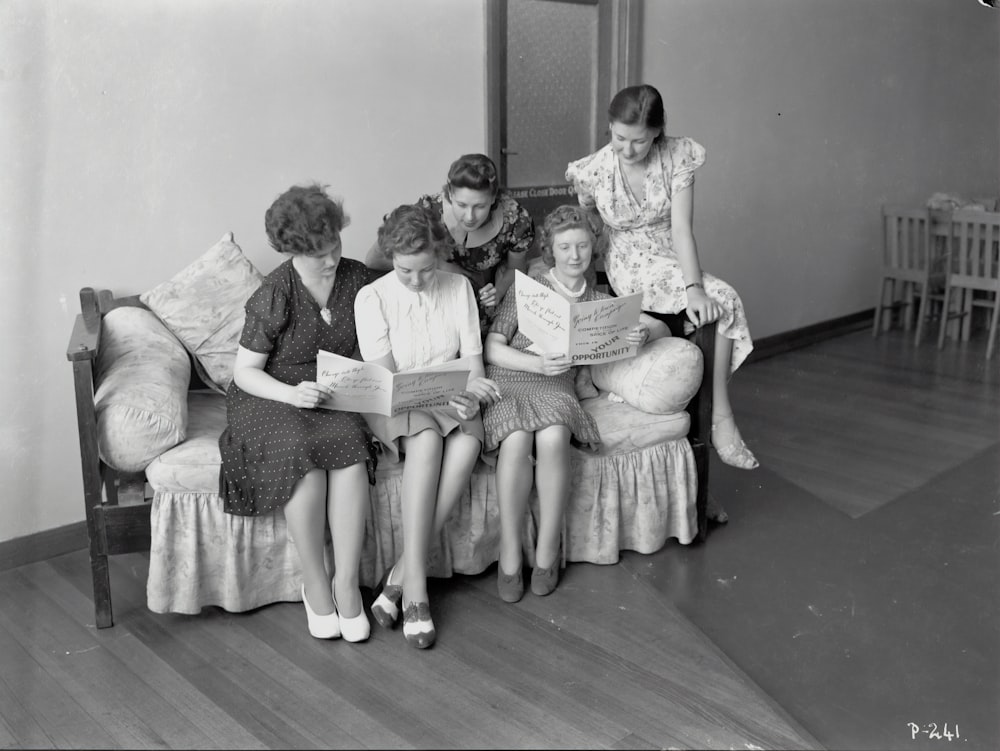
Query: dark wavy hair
[[303, 219], [474, 172], [639, 105], [564, 218], [411, 229]]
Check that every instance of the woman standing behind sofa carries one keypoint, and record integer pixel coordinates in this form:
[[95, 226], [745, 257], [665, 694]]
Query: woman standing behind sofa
[[490, 233], [538, 414], [642, 185], [280, 450], [414, 317]]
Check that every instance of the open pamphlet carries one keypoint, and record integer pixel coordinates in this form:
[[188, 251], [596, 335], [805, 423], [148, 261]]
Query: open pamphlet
[[587, 332], [367, 387]]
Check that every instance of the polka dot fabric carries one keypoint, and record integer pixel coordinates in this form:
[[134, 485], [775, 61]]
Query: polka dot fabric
[[268, 446]]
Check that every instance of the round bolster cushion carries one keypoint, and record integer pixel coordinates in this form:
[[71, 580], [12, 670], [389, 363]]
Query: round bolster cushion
[[661, 379], [142, 378]]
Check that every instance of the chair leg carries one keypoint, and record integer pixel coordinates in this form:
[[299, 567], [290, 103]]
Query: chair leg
[[991, 341], [907, 313], [945, 315], [966, 308], [877, 325], [922, 313]]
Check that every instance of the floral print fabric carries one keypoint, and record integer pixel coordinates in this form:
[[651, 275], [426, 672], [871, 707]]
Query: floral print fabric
[[640, 255]]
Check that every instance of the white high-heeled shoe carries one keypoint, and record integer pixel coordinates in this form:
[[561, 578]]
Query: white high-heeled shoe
[[321, 626], [352, 629], [735, 453]]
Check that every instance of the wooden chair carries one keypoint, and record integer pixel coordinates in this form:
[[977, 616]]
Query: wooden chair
[[914, 259], [972, 278]]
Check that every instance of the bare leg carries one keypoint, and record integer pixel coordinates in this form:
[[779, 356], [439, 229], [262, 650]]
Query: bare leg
[[553, 482], [513, 481], [460, 453], [305, 515], [421, 474], [725, 435], [347, 510]]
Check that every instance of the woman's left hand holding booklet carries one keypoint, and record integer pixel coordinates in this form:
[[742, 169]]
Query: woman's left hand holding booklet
[[366, 387]]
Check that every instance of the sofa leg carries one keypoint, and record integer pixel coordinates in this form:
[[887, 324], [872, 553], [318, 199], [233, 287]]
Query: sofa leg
[[102, 591], [700, 450], [99, 571]]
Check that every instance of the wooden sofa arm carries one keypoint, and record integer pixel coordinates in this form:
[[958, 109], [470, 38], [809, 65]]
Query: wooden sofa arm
[[112, 528]]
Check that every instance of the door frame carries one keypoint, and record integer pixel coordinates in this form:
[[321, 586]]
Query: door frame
[[618, 61]]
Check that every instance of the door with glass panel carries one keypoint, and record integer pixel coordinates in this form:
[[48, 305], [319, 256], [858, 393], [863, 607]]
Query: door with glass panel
[[553, 66]]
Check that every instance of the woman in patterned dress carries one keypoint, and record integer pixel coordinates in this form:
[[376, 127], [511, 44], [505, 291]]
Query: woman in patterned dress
[[489, 232], [538, 413], [279, 450], [413, 317], [642, 186]]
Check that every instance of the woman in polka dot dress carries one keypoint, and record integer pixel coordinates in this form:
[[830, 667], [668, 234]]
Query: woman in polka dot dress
[[280, 449]]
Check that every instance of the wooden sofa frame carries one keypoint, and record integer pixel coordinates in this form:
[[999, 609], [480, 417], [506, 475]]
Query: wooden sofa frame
[[118, 510]]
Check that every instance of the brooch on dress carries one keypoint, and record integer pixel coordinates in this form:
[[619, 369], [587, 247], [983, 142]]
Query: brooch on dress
[[326, 315]]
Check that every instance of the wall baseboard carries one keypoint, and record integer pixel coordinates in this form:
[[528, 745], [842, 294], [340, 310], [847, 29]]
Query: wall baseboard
[[41, 546], [770, 346], [67, 539]]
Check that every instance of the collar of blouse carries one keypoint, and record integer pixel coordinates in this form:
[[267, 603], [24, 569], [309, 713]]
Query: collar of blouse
[[477, 237]]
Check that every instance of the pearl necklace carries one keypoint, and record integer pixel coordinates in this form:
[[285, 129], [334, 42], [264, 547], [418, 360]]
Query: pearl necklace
[[566, 290]]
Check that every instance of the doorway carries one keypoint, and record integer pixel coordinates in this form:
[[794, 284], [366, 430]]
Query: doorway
[[552, 68]]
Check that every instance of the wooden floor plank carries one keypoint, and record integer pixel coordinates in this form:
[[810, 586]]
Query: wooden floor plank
[[217, 727]]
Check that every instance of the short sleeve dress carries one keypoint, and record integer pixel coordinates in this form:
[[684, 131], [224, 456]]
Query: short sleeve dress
[[532, 401], [268, 446], [640, 255], [430, 327], [508, 230]]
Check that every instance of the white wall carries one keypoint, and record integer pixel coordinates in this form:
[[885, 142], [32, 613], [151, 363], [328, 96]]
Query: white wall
[[813, 113], [135, 133]]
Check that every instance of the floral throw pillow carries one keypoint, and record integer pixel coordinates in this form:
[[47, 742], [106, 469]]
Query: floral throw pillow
[[203, 306]]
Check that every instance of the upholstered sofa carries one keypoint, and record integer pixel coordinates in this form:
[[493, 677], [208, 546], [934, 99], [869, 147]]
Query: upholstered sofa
[[150, 372]]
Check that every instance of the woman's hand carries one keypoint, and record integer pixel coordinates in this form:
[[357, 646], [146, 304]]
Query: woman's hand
[[701, 308], [488, 295], [466, 403], [554, 363], [309, 395], [638, 335], [484, 389]]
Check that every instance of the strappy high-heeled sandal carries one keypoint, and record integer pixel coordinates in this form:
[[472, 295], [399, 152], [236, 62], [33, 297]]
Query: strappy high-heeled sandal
[[735, 454]]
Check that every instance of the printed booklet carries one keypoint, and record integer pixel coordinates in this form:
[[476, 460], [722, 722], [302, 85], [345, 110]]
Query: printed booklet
[[366, 387], [588, 332]]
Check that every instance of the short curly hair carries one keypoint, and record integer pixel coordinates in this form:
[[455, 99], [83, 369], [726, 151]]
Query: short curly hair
[[304, 219], [564, 218], [410, 229]]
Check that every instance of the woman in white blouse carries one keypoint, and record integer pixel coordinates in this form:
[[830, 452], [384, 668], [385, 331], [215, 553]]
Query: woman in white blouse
[[415, 316]]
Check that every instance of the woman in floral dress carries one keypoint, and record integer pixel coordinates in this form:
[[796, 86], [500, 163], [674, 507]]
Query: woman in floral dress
[[642, 186], [490, 233]]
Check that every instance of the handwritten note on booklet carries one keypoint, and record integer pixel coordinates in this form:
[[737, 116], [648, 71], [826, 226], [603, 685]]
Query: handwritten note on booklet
[[366, 387], [586, 331]]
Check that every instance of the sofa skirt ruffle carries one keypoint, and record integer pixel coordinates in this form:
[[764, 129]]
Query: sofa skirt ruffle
[[201, 556]]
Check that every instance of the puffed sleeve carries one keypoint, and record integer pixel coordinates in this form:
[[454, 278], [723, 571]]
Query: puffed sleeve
[[467, 315], [505, 320], [267, 314], [687, 155], [582, 175], [522, 229], [371, 324]]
